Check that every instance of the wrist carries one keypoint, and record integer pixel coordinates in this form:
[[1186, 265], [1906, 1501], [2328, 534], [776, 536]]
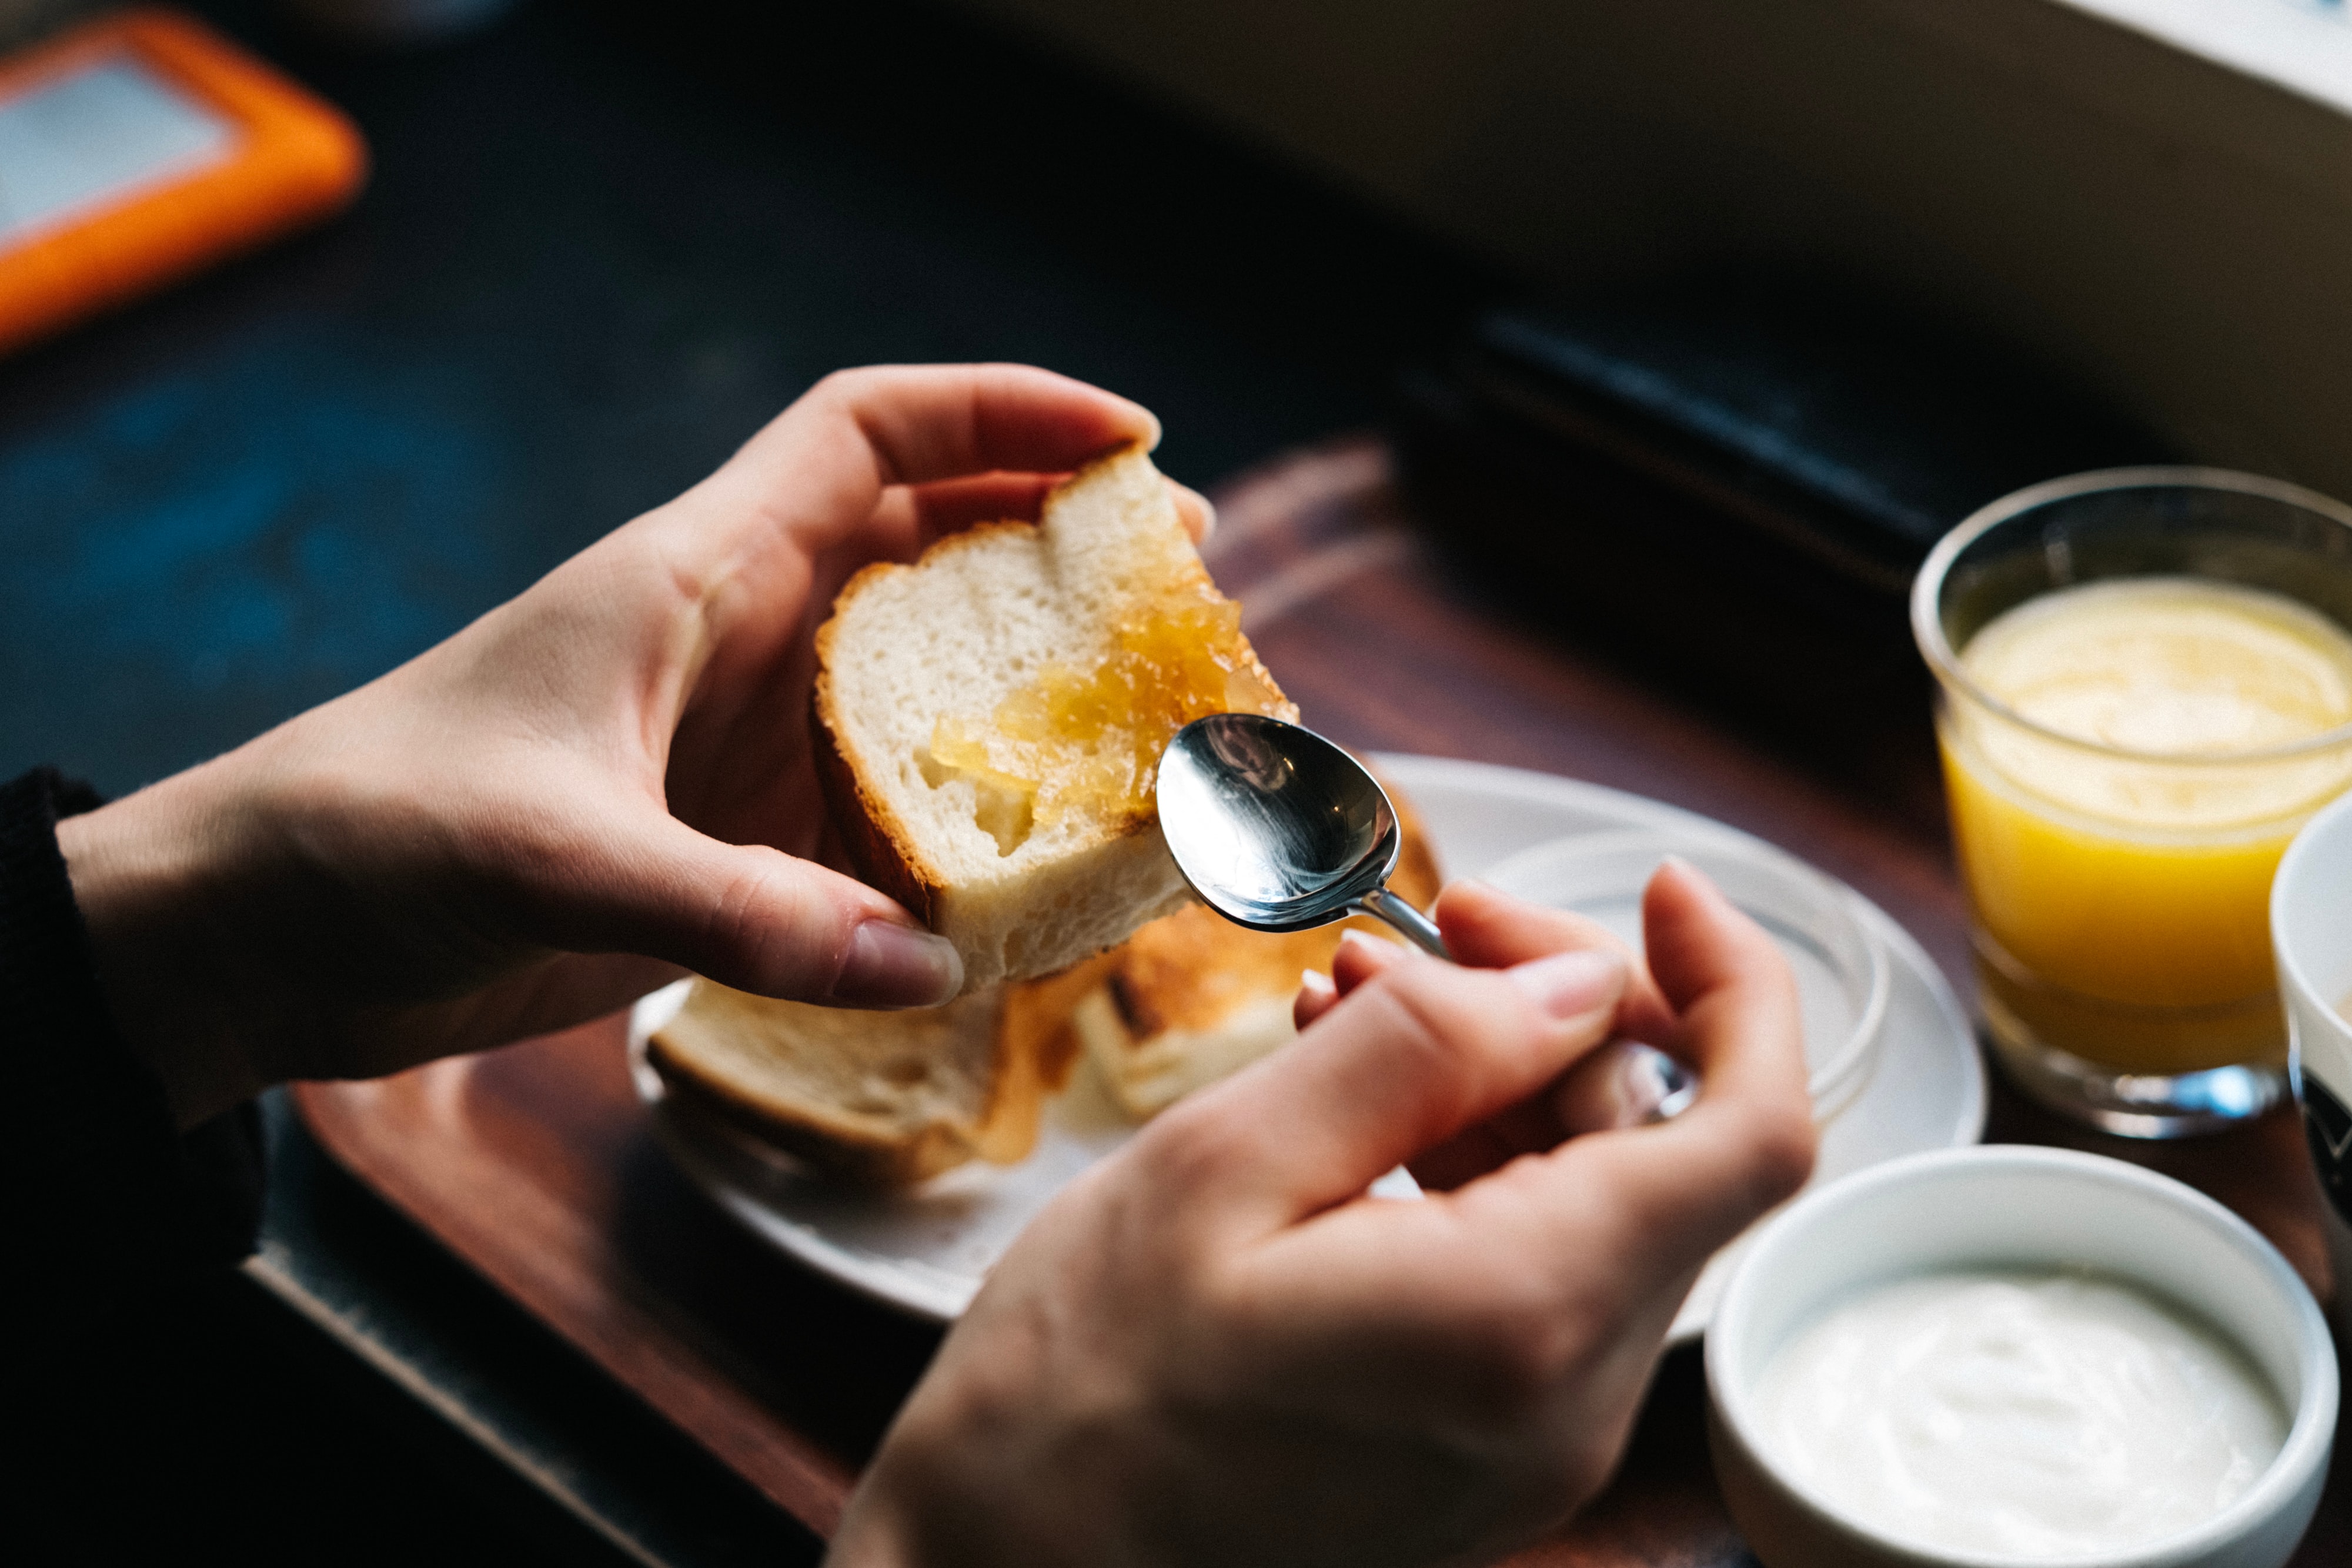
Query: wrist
[[979, 1472], [145, 878]]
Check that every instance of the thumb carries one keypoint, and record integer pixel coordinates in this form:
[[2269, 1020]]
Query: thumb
[[757, 919], [1725, 979], [1408, 1060]]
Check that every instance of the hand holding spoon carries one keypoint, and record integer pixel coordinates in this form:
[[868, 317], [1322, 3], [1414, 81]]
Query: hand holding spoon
[[1278, 830]]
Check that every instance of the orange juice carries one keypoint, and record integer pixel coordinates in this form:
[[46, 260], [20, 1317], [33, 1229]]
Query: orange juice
[[2119, 845]]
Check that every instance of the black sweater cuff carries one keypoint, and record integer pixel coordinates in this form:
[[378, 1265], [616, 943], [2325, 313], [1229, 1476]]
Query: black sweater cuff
[[103, 1191]]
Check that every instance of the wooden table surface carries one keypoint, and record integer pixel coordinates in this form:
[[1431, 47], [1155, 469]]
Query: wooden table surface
[[536, 1164]]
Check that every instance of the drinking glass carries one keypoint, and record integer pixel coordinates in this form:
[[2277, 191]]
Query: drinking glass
[[2120, 898]]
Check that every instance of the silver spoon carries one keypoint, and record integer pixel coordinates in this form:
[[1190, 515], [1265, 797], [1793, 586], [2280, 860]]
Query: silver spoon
[[1278, 830]]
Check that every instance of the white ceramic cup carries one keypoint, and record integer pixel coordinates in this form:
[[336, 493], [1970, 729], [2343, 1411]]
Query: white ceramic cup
[[2012, 1205], [2311, 931]]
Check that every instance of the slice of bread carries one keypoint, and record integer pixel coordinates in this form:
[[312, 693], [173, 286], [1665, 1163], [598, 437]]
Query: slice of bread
[[880, 1099], [995, 714], [1192, 998]]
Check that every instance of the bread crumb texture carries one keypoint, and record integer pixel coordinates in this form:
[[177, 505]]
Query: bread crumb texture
[[1001, 705]]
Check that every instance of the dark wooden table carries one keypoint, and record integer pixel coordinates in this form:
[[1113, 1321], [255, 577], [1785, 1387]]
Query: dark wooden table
[[536, 1167]]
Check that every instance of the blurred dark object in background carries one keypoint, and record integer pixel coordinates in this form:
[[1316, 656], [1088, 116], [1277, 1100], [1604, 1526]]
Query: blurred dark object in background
[[395, 24], [1728, 481], [21, 21]]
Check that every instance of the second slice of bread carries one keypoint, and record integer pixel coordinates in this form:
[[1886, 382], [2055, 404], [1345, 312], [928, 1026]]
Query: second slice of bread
[[985, 618], [878, 1099]]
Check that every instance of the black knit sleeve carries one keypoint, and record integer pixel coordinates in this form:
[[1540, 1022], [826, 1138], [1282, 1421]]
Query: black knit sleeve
[[102, 1191]]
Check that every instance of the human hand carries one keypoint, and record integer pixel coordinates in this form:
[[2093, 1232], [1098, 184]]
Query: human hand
[[596, 786], [1621, 1082], [1618, 1083], [1215, 1350]]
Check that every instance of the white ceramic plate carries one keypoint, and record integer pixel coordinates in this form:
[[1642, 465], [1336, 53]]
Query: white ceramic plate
[[926, 1250]]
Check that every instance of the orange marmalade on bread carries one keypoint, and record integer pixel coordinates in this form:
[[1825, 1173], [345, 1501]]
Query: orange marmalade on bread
[[1088, 744]]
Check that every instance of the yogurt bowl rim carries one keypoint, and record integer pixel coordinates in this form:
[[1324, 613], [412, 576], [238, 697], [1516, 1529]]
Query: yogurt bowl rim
[[2310, 1416]]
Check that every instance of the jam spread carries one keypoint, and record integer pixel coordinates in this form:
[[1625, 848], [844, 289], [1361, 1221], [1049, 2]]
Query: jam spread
[[1088, 744]]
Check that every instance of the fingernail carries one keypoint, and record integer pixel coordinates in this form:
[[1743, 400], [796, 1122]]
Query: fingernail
[[1378, 951], [1682, 867], [1695, 879], [894, 965], [1568, 983]]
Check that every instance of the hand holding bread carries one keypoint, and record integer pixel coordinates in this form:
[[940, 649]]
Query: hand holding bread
[[988, 724], [594, 787]]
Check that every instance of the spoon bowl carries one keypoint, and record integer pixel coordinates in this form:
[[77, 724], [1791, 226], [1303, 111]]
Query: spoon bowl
[[1278, 830]]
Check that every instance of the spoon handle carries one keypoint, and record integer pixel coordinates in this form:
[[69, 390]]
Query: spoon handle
[[1407, 921]]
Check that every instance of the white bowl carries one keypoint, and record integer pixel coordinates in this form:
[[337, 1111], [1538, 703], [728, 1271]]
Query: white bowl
[[2311, 931], [2010, 1205], [1844, 977]]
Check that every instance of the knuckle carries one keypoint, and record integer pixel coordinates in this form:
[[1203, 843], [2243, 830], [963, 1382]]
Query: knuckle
[[1430, 1006], [1474, 1023], [1516, 1347], [1781, 1146], [841, 386], [757, 927], [1188, 1145]]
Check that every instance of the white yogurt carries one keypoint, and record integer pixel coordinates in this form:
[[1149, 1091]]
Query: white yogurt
[[2023, 1415]]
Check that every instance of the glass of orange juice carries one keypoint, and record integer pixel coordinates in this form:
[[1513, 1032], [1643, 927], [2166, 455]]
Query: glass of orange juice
[[2145, 687]]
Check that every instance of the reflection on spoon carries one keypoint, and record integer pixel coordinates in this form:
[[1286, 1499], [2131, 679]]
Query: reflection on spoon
[[1278, 830]]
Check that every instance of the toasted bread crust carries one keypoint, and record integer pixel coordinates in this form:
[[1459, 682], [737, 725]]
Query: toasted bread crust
[[839, 1148], [870, 831], [1038, 1016], [711, 1057]]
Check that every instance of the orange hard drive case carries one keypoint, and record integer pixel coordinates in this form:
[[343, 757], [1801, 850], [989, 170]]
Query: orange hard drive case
[[293, 158]]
